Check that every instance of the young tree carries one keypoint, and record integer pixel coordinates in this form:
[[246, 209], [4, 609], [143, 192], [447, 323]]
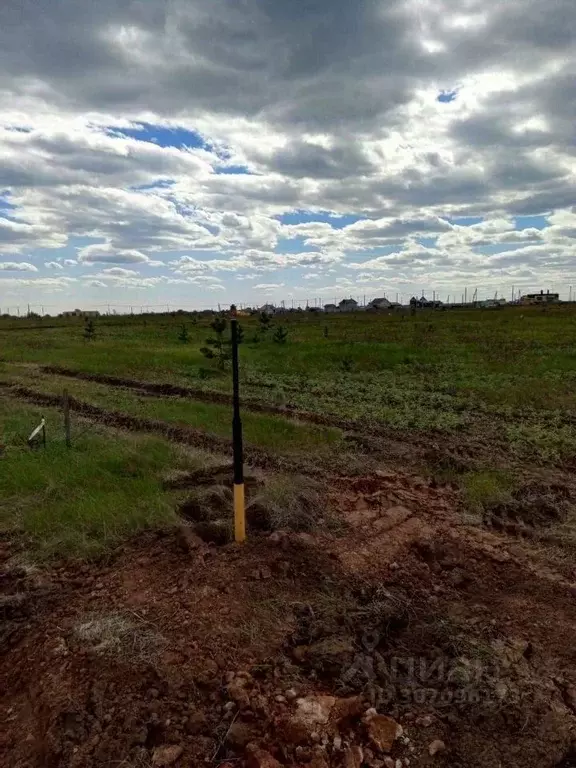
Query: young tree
[[265, 322], [218, 348], [183, 335], [280, 335], [89, 329]]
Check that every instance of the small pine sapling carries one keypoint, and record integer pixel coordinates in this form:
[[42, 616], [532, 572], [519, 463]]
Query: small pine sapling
[[265, 322], [183, 335], [347, 364], [280, 335], [217, 347], [89, 329], [325, 331]]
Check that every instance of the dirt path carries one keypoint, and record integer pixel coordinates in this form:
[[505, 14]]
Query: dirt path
[[172, 652]]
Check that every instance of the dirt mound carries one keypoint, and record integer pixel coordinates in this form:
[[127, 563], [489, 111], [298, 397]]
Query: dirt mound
[[429, 644], [537, 504]]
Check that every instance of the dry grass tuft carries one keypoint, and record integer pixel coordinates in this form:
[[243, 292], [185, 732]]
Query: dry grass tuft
[[119, 635]]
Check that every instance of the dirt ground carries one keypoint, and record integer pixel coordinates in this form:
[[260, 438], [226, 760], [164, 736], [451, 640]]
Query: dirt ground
[[407, 637]]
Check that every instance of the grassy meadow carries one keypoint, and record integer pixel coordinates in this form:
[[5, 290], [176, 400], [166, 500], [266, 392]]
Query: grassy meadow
[[506, 375]]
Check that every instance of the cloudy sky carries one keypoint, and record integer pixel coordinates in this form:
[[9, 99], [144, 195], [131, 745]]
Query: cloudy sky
[[190, 152]]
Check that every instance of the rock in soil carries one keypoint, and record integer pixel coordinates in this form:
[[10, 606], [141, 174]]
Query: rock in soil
[[353, 757], [382, 731], [166, 755], [259, 758], [239, 735], [436, 747]]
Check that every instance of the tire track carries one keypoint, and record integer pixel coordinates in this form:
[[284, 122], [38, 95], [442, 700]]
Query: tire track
[[253, 455], [219, 398], [404, 446]]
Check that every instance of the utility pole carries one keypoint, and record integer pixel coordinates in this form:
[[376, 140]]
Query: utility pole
[[465, 295]]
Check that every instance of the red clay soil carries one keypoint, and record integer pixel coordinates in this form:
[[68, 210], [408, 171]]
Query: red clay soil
[[289, 650]]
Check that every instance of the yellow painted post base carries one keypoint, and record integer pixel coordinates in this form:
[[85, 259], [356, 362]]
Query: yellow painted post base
[[239, 513]]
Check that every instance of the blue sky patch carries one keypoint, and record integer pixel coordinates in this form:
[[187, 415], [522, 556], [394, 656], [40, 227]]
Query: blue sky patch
[[427, 242], [159, 184], [6, 205], [466, 221], [294, 245], [537, 222], [445, 97], [234, 169], [162, 136], [305, 217]]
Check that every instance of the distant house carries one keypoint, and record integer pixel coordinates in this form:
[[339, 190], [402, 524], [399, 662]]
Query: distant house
[[382, 304], [491, 303], [268, 309], [81, 313], [347, 305], [422, 303], [540, 298], [330, 308], [379, 304]]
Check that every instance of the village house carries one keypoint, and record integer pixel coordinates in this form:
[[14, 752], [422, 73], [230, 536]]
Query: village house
[[382, 304], [81, 313], [348, 305], [540, 298]]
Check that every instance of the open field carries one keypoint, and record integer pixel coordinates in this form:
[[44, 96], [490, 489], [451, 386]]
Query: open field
[[411, 495]]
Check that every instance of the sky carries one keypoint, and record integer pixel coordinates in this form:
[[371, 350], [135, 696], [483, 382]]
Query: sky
[[189, 153]]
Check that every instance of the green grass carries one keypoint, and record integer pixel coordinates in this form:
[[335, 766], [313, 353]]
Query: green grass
[[507, 375], [81, 501], [425, 371], [485, 488], [271, 432]]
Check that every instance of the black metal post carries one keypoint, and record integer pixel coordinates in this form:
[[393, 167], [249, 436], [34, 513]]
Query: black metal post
[[239, 506], [236, 420]]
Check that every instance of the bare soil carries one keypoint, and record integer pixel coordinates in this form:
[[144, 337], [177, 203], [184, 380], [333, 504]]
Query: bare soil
[[174, 652]]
